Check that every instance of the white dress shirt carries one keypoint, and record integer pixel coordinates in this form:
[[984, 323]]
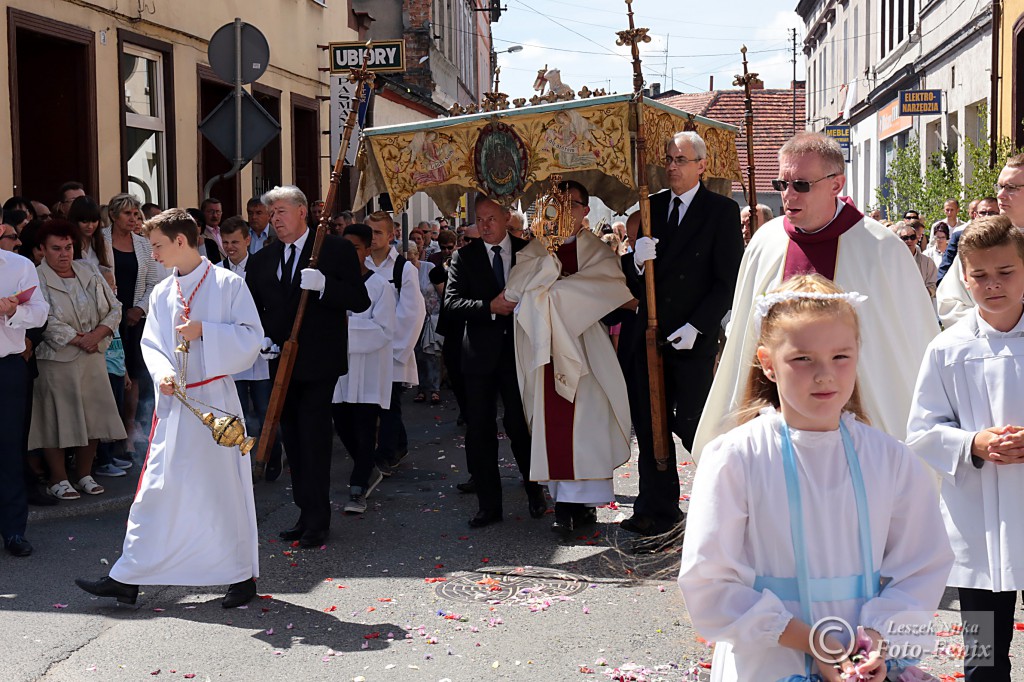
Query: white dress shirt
[[17, 274], [687, 199], [240, 268], [506, 253], [300, 243]]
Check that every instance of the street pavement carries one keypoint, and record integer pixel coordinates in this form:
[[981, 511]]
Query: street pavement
[[405, 592]]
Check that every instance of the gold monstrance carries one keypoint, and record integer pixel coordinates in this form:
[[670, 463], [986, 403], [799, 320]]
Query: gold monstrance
[[553, 223]]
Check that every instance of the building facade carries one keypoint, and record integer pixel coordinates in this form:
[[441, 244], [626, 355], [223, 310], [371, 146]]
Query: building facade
[[1010, 61], [111, 93], [862, 53]]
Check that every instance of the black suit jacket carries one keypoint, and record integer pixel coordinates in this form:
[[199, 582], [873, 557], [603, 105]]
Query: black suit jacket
[[323, 339], [695, 272], [210, 249], [471, 288]]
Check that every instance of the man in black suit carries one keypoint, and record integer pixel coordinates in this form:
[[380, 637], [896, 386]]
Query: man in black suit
[[276, 275], [699, 248], [476, 296]]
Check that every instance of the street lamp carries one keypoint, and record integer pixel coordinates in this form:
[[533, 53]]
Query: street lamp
[[495, 69]]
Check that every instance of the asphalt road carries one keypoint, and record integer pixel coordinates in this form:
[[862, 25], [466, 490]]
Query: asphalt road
[[405, 592]]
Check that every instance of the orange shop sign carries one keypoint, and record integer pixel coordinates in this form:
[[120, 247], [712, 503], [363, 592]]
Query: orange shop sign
[[890, 122]]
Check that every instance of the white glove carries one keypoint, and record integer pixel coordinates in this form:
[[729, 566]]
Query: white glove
[[645, 249], [269, 350], [313, 279], [684, 337]]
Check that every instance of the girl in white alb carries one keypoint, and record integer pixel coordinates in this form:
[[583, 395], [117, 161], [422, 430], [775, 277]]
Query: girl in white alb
[[804, 512]]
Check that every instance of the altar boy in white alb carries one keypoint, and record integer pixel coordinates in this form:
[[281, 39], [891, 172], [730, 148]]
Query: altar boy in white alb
[[193, 521], [967, 422]]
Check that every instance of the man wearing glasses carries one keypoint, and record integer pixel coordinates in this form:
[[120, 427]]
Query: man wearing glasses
[[699, 245], [981, 207], [952, 297], [822, 232], [929, 273]]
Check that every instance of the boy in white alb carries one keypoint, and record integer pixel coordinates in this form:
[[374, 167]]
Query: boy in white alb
[[193, 521], [967, 422], [366, 390]]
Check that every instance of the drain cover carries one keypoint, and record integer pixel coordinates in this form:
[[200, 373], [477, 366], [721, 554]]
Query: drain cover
[[510, 584]]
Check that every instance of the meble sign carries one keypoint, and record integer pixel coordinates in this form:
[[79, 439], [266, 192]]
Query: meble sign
[[382, 55]]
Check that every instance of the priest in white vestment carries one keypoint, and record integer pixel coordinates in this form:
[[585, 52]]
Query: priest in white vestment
[[193, 521], [573, 390], [825, 233]]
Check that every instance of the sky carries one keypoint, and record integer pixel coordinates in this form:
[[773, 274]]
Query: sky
[[687, 47]]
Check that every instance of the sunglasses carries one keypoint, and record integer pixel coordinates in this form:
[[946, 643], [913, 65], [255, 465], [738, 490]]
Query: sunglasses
[[801, 186], [909, 238], [987, 213]]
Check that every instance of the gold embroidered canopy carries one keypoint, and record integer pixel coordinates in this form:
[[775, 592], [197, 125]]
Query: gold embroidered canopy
[[508, 154]]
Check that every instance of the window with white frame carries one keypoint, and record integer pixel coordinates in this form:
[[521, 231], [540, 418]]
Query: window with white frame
[[899, 19], [142, 91]]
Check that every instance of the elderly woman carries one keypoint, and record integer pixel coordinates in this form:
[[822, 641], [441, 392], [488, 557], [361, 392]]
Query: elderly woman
[[72, 404], [428, 349], [136, 273]]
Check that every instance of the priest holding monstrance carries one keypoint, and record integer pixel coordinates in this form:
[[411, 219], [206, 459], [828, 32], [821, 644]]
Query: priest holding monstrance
[[825, 233], [565, 281], [193, 521]]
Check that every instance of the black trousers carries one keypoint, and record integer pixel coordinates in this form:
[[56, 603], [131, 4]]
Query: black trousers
[[482, 391], [687, 384], [392, 438], [13, 404], [451, 353], [996, 666], [356, 426], [306, 429]]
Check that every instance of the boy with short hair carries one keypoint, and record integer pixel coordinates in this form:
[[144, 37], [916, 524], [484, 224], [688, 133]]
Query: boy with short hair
[[366, 390], [193, 521], [253, 385], [967, 422]]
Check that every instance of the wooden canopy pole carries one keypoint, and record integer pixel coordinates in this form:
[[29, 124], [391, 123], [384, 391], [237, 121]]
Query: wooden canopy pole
[[748, 122], [655, 371], [361, 77]]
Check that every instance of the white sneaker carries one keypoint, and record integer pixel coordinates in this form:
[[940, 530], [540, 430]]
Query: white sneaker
[[110, 471]]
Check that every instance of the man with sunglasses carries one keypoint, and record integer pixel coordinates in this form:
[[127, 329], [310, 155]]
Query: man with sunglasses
[[981, 207], [822, 232], [953, 298]]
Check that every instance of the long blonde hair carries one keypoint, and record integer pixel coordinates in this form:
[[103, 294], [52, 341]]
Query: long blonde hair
[[760, 392]]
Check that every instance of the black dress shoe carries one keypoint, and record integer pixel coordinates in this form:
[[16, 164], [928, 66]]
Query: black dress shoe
[[563, 524], [538, 503], [467, 487], [239, 594], [17, 545], [293, 533], [583, 515], [36, 497], [313, 538], [641, 525], [485, 518], [108, 587]]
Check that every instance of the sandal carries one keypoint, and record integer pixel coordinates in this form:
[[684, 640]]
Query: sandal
[[63, 491], [89, 486], [435, 398], [420, 398]]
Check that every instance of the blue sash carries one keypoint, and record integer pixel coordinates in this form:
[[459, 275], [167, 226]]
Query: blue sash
[[803, 588]]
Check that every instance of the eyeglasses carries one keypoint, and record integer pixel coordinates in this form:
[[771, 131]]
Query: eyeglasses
[[680, 160], [1009, 189], [579, 203], [801, 186], [12, 237], [909, 238]]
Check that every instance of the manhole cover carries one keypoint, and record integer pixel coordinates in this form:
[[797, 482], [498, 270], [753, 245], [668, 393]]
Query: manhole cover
[[510, 584]]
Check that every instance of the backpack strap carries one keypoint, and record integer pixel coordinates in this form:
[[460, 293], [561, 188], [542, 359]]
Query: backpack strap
[[396, 275]]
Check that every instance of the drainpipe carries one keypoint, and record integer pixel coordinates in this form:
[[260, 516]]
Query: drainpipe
[[994, 99]]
